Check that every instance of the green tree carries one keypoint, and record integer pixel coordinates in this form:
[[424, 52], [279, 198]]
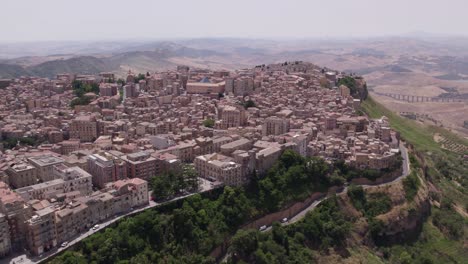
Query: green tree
[[248, 104], [244, 243], [209, 123]]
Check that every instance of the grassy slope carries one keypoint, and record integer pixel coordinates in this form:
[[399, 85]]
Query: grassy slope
[[432, 243], [422, 137]]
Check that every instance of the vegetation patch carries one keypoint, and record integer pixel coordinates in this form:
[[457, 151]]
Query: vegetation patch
[[209, 123], [321, 228], [80, 89], [174, 183], [371, 204], [411, 184]]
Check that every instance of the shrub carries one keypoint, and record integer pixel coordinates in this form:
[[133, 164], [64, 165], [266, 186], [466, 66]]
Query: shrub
[[411, 185]]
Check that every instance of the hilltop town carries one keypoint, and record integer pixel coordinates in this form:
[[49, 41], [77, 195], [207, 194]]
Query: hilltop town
[[79, 150]]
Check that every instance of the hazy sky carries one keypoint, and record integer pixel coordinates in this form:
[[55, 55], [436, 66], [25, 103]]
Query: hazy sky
[[33, 20]]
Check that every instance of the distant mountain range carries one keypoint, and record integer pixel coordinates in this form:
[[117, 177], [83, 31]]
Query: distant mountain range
[[438, 57], [87, 64]]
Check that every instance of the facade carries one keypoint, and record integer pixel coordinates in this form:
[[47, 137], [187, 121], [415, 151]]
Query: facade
[[205, 88], [275, 126], [265, 158], [129, 193], [22, 174], [66, 180], [16, 212], [233, 117], [84, 128], [40, 231], [140, 165], [221, 168], [106, 168], [108, 89], [5, 241]]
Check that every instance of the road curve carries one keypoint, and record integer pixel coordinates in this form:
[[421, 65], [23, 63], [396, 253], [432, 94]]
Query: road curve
[[406, 171]]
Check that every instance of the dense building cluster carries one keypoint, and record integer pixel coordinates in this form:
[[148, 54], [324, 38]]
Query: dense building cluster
[[63, 169]]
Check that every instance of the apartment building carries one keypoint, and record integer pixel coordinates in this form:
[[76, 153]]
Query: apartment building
[[106, 168], [16, 212], [221, 168], [140, 165], [240, 144], [40, 231], [232, 117], [275, 126], [128, 193], [44, 165], [22, 174], [84, 128], [66, 179]]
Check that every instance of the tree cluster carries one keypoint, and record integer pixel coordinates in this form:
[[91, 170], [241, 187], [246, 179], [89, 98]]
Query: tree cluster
[[292, 178], [174, 183], [184, 235], [209, 123], [80, 89], [349, 82], [321, 228], [411, 184], [10, 143]]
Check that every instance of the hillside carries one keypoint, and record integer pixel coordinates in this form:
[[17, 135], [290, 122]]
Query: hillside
[[161, 56], [420, 218], [9, 71], [82, 65]]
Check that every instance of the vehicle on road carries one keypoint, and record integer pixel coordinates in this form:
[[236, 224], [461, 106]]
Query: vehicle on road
[[263, 228], [95, 227], [64, 244], [284, 220]]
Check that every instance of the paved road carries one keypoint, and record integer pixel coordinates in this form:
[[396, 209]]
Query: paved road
[[405, 172], [205, 185]]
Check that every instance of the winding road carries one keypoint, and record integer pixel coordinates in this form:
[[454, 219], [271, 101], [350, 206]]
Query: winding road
[[405, 172]]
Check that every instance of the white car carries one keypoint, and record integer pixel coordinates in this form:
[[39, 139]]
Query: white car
[[64, 244], [284, 220], [263, 228], [95, 227]]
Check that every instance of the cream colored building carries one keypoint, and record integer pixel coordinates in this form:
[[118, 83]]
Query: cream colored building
[[232, 117], [221, 168], [44, 166], [22, 174], [84, 128]]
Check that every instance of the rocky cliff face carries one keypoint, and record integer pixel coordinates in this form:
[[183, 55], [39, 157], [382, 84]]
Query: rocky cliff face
[[404, 222]]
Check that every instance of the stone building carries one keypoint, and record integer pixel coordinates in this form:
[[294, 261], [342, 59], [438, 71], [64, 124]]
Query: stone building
[[84, 128], [44, 165], [22, 174], [221, 168], [232, 117], [40, 231], [275, 126]]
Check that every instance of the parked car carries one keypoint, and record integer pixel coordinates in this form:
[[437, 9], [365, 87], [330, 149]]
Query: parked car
[[284, 220], [64, 244], [95, 227], [263, 228]]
